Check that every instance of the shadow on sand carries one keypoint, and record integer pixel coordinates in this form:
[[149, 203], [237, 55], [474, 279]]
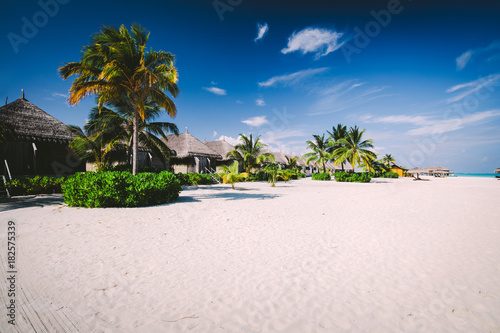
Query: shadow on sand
[[30, 201], [221, 192]]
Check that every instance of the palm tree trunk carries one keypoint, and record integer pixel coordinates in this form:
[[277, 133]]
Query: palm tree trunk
[[135, 144]]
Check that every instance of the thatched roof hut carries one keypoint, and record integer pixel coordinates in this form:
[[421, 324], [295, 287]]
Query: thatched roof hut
[[280, 158], [30, 123], [221, 147], [185, 145], [497, 170]]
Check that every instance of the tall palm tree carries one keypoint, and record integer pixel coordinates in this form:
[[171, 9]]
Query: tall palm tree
[[100, 147], [249, 153], [354, 149], [388, 159], [118, 115], [337, 133], [292, 162], [321, 150], [117, 64]]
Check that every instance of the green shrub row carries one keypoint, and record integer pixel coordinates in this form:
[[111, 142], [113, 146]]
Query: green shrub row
[[35, 185], [120, 189], [263, 176], [321, 176], [188, 179], [390, 175], [353, 177]]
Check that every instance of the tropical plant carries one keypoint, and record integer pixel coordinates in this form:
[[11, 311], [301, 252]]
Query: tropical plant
[[286, 175], [388, 160], [354, 149], [100, 147], [248, 152], [321, 150], [292, 163], [117, 64], [118, 115], [272, 171], [364, 177], [337, 133], [231, 175]]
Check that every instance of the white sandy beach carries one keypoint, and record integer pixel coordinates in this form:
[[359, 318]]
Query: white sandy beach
[[306, 256]]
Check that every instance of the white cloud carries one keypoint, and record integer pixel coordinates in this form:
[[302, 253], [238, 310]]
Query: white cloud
[[216, 91], [262, 30], [468, 55], [59, 95], [463, 60], [256, 121], [215, 134], [292, 78], [449, 125], [474, 86], [260, 102], [432, 125], [230, 140], [315, 40], [344, 95]]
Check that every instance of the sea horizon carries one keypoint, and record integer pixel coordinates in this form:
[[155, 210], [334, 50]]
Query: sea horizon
[[484, 175]]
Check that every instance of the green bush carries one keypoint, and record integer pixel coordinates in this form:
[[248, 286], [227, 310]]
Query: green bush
[[128, 167], [301, 175], [35, 185], [389, 175], [120, 189], [353, 177], [257, 177], [321, 176], [188, 179]]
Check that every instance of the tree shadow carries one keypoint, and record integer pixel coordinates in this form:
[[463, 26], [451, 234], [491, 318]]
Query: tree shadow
[[31, 201]]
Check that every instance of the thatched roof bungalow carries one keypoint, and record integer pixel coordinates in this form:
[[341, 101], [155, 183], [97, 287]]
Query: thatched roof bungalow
[[221, 147], [497, 170], [191, 155], [40, 143]]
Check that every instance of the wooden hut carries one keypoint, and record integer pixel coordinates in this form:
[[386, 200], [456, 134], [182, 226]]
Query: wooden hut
[[40, 143], [399, 170], [221, 147], [191, 155]]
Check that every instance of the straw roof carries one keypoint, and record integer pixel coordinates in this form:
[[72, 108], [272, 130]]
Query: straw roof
[[497, 170], [31, 123], [437, 168], [221, 147], [279, 157], [418, 170], [186, 145]]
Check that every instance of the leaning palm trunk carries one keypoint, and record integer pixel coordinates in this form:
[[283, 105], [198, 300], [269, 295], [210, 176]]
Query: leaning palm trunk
[[135, 141]]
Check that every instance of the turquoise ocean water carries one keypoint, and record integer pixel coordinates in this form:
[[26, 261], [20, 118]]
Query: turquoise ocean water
[[483, 175]]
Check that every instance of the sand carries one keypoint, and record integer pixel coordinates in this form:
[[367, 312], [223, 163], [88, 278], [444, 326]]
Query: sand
[[306, 256]]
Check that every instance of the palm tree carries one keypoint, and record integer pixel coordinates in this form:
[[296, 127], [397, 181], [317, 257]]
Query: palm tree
[[117, 64], [388, 159], [354, 149], [292, 163], [97, 147], [337, 133], [118, 115], [249, 153], [272, 171], [231, 175], [321, 150]]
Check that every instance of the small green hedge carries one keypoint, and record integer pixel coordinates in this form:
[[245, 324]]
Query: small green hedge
[[321, 176], [300, 175], [353, 177], [35, 185], [188, 179], [389, 175], [120, 189]]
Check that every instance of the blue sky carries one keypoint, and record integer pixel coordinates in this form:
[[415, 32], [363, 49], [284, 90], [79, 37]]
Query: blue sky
[[422, 78]]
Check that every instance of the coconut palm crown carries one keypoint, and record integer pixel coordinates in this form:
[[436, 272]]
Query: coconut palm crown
[[354, 149], [248, 152], [321, 150], [116, 63]]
